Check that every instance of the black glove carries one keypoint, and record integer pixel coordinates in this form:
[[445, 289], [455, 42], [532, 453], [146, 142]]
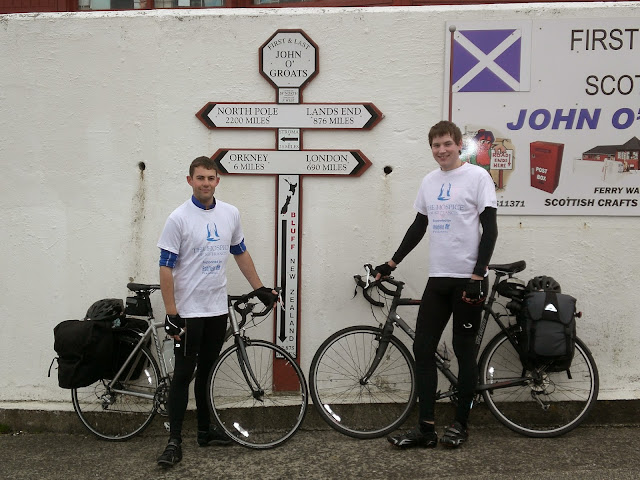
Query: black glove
[[266, 296], [473, 293], [173, 325], [385, 269]]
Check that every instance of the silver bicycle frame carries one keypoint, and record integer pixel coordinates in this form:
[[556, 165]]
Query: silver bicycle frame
[[152, 331]]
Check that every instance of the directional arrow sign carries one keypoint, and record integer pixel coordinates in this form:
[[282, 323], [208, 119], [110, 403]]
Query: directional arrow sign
[[300, 115], [288, 139], [300, 162]]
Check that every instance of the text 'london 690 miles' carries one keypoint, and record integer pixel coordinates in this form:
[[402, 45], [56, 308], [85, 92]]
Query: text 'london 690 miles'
[[327, 162]]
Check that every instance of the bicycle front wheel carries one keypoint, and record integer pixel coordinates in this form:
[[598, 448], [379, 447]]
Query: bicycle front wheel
[[127, 407], [257, 415], [547, 404], [351, 405]]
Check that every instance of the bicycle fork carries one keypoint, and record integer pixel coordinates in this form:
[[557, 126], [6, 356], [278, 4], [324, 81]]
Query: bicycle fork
[[247, 372], [257, 392], [381, 349]]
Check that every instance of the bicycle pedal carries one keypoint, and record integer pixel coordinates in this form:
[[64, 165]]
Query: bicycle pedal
[[167, 427]]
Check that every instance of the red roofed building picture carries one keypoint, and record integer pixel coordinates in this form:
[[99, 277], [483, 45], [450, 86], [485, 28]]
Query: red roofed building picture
[[626, 155]]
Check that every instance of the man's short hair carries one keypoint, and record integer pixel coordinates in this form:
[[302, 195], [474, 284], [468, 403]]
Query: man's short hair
[[205, 162], [445, 128]]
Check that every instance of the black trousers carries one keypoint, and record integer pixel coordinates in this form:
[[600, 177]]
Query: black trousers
[[200, 347], [442, 298]]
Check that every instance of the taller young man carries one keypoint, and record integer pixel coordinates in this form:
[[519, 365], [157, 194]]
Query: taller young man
[[457, 204], [197, 239]]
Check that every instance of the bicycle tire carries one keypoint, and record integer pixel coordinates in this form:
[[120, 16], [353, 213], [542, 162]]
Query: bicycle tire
[[343, 402], [566, 401], [120, 416], [257, 421]]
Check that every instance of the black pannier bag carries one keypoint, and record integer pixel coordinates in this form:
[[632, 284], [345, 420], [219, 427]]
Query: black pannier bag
[[548, 322], [85, 350]]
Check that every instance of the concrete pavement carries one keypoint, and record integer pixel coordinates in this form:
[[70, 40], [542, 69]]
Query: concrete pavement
[[593, 451]]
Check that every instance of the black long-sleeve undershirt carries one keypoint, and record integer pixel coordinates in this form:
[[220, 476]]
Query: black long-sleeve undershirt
[[412, 238], [489, 222]]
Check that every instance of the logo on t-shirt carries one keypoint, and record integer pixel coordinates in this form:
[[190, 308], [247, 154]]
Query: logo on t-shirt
[[445, 196], [215, 237]]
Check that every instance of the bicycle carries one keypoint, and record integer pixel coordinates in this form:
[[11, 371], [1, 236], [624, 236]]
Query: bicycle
[[370, 365], [245, 398], [122, 406]]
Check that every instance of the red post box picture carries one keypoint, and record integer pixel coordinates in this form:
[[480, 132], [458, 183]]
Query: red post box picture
[[546, 160]]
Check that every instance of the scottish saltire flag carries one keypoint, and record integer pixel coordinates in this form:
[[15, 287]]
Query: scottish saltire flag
[[491, 60]]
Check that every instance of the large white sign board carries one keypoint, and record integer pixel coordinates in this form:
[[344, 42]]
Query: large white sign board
[[552, 109]]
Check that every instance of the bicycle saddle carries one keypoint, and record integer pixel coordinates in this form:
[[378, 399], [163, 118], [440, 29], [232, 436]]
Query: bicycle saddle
[[509, 268]]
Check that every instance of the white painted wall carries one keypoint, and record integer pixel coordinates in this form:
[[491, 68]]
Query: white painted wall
[[85, 97]]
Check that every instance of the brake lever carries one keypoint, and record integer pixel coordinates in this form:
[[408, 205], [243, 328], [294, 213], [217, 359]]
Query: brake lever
[[279, 301], [368, 270]]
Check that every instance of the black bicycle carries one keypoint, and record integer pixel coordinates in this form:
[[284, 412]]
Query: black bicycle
[[371, 367], [246, 398]]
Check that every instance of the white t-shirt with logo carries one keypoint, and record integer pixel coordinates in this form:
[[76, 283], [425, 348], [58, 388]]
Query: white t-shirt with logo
[[202, 240], [453, 201]]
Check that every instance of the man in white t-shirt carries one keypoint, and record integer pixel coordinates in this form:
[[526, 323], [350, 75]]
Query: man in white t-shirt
[[195, 244], [457, 204]]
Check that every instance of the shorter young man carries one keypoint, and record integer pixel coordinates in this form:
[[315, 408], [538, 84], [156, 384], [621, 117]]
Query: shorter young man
[[196, 242]]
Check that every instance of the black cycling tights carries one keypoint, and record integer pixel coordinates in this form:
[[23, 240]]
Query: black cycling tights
[[204, 339], [442, 298]]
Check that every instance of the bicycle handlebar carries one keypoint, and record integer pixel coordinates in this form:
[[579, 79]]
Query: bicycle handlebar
[[380, 284], [242, 305], [369, 283]]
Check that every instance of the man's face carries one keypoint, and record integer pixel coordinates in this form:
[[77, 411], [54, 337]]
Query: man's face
[[204, 183], [446, 152]]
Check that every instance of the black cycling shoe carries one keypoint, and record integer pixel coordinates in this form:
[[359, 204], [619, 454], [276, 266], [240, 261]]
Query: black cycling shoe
[[414, 438], [172, 454], [454, 435], [213, 437]]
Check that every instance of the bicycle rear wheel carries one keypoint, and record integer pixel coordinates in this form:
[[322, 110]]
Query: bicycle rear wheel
[[126, 409], [264, 417], [351, 406], [549, 404]]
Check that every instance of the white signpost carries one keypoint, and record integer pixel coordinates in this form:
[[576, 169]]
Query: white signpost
[[289, 60]]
